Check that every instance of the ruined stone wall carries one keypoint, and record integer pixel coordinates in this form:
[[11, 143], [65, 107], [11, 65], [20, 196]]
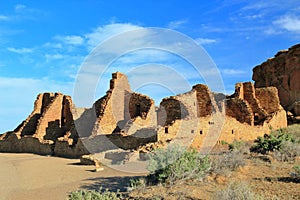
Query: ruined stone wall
[[139, 105], [268, 99], [112, 109], [129, 120], [282, 72], [170, 110], [204, 100], [28, 126], [13, 144], [246, 91], [237, 122], [239, 109], [49, 124]]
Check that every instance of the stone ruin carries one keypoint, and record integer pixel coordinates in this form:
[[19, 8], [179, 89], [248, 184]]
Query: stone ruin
[[283, 72], [126, 120]]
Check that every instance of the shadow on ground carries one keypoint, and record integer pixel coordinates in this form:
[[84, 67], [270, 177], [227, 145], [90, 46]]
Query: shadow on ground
[[111, 183], [280, 179]]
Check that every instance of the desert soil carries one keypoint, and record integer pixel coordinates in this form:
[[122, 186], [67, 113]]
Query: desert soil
[[28, 176], [271, 180]]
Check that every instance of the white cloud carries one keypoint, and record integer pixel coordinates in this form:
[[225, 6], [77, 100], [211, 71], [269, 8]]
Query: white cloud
[[71, 39], [202, 41], [20, 50], [232, 71], [105, 32], [289, 22], [176, 24]]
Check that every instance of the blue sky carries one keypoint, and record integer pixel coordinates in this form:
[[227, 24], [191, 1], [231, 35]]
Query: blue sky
[[44, 43]]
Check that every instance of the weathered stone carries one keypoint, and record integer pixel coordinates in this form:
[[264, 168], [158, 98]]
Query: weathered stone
[[282, 72], [126, 120]]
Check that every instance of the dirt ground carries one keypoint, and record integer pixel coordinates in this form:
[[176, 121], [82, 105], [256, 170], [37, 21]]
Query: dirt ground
[[272, 180], [28, 176]]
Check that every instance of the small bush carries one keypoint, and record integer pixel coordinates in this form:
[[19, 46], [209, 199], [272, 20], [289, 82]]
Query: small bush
[[239, 191], [227, 162], [135, 184], [176, 163], [287, 152], [240, 146], [94, 195], [296, 172]]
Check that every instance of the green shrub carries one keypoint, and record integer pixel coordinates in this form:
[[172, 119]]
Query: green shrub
[[177, 163], [223, 142], [95, 195], [236, 191], [272, 142], [227, 162]]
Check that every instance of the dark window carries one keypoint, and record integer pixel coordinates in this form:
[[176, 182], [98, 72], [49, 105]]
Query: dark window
[[138, 110], [166, 130], [231, 131], [192, 131], [201, 132]]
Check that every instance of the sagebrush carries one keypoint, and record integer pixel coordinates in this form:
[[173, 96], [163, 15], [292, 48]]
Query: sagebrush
[[177, 163], [95, 195], [236, 191]]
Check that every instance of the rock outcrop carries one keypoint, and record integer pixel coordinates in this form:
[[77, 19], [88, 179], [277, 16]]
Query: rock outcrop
[[282, 72]]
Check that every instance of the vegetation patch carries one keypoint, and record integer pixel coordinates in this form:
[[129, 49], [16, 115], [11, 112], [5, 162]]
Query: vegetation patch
[[95, 195], [176, 163], [240, 191], [285, 143]]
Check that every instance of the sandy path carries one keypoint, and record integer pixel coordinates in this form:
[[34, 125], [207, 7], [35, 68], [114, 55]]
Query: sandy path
[[27, 176]]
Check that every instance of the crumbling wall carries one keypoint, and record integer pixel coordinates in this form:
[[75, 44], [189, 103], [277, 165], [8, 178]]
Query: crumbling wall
[[268, 99], [28, 126], [49, 125], [239, 109], [246, 92], [204, 100], [172, 109], [13, 144], [113, 108], [139, 105]]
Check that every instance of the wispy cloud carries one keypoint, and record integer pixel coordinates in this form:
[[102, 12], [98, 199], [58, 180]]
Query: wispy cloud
[[20, 7], [4, 18], [176, 24], [20, 50], [54, 56], [203, 41], [105, 32], [70, 39], [53, 45], [290, 23], [232, 72]]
